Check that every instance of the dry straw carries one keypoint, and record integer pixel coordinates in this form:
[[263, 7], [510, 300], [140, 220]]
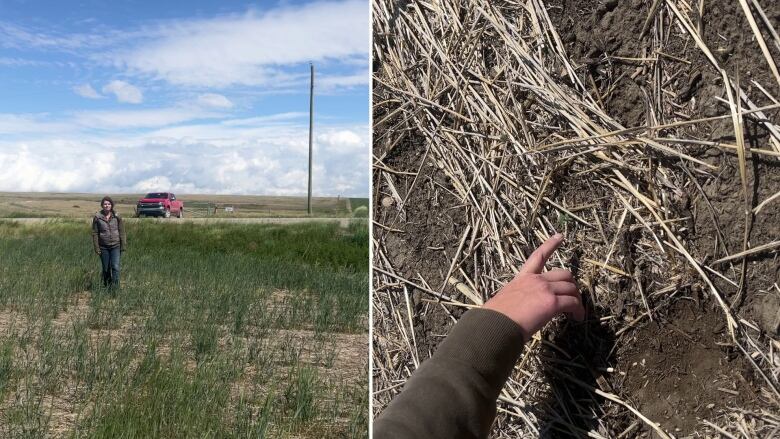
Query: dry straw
[[487, 90]]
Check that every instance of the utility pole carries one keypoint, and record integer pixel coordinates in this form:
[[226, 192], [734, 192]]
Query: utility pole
[[311, 129]]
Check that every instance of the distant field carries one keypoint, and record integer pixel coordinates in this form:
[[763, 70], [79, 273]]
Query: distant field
[[74, 205], [219, 330]]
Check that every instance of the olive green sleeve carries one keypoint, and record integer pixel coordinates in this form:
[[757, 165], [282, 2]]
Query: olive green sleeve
[[453, 394], [122, 234], [95, 239]]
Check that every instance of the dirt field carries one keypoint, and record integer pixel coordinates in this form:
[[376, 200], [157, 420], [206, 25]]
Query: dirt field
[[73, 205], [502, 123]]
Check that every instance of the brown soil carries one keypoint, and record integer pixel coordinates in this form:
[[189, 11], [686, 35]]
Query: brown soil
[[596, 31], [678, 374], [674, 367], [681, 368], [431, 221]]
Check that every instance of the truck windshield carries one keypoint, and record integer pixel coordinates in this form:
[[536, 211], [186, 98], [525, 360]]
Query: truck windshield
[[157, 195]]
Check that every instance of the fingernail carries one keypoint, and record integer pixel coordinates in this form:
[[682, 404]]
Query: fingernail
[[558, 236]]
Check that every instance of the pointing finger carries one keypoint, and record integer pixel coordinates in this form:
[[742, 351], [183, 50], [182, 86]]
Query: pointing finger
[[535, 262]]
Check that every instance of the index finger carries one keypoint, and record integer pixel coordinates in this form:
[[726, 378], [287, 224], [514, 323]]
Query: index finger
[[535, 263]]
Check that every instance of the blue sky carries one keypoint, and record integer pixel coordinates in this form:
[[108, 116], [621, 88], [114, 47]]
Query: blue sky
[[194, 97]]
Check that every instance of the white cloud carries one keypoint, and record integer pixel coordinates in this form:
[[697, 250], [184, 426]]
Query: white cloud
[[28, 170], [155, 183], [214, 100], [21, 62], [333, 81], [149, 118], [16, 36], [15, 124], [269, 160], [216, 133], [342, 142], [50, 38], [86, 91], [124, 92], [295, 179], [261, 155], [235, 49], [269, 119], [162, 119]]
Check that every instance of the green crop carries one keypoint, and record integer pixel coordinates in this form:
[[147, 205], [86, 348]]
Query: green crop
[[219, 331]]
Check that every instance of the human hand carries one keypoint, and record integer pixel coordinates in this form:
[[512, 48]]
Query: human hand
[[97, 252], [533, 298]]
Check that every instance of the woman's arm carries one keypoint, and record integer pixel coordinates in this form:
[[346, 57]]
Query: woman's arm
[[122, 234], [453, 394], [95, 236]]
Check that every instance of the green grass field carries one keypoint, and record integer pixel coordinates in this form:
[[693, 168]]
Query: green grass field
[[218, 331]]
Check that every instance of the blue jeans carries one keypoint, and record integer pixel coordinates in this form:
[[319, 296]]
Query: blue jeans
[[109, 258]]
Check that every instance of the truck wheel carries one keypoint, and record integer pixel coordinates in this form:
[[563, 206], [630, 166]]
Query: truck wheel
[[167, 213], [181, 213]]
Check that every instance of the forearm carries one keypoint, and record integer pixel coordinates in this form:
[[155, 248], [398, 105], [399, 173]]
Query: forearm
[[453, 394], [122, 236], [95, 238]]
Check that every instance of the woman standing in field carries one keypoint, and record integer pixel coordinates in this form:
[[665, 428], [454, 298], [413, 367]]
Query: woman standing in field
[[109, 239]]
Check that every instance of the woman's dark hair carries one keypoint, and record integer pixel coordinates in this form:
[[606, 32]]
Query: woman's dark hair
[[107, 198]]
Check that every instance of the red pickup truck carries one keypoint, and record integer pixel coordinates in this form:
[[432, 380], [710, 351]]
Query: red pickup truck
[[159, 204]]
